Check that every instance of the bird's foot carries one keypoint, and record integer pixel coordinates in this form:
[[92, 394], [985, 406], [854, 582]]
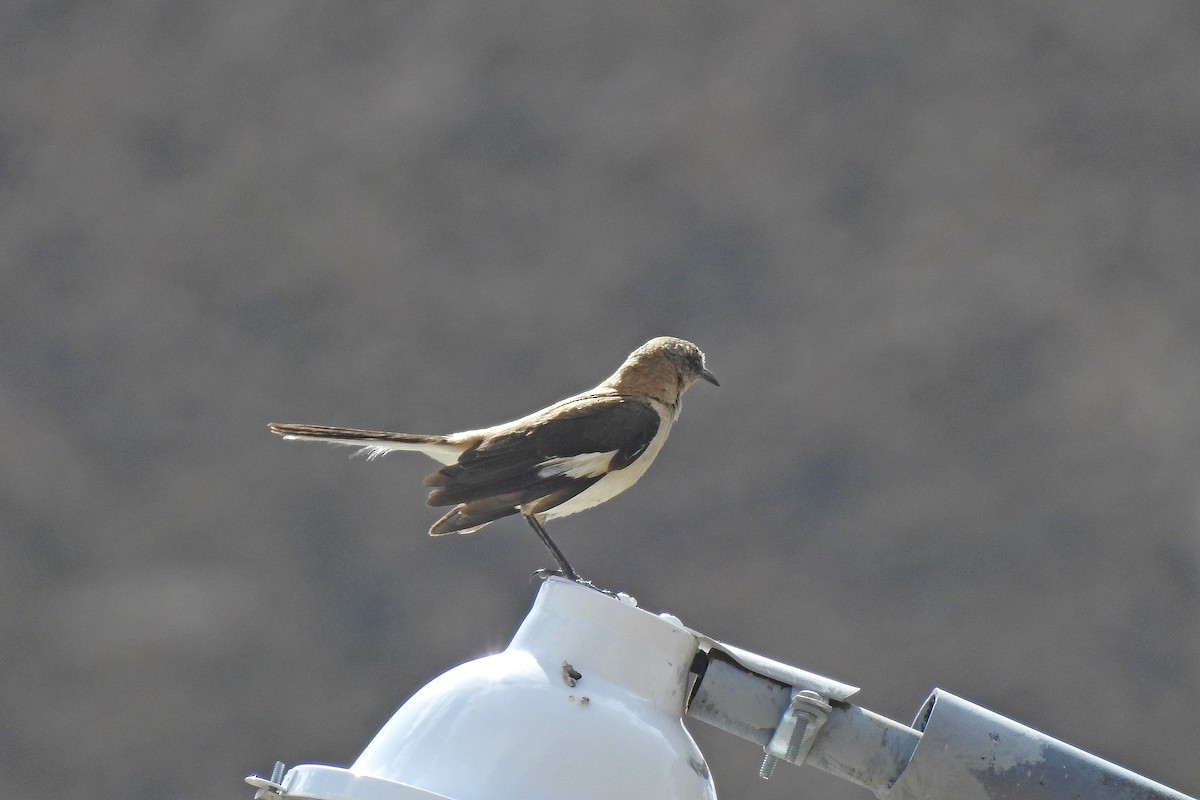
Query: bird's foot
[[543, 574]]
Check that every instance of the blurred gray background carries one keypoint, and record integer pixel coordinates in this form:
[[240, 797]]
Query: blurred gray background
[[941, 255]]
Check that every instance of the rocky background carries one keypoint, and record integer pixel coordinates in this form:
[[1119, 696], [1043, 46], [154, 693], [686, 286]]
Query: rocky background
[[943, 257]]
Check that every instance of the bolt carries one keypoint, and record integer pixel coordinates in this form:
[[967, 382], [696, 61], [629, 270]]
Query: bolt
[[804, 718]]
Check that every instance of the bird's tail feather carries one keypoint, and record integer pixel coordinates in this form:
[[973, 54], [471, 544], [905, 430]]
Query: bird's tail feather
[[372, 443]]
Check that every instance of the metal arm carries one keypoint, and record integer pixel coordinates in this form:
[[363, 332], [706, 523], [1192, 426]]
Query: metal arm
[[956, 749]]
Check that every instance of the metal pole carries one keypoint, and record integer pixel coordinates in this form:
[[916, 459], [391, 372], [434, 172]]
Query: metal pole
[[955, 751]]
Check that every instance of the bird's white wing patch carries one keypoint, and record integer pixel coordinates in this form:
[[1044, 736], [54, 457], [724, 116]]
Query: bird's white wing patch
[[584, 465]]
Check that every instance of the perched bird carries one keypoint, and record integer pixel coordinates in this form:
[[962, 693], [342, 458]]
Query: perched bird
[[567, 457]]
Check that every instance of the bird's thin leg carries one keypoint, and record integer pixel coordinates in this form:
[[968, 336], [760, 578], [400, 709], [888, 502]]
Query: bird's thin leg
[[564, 567]]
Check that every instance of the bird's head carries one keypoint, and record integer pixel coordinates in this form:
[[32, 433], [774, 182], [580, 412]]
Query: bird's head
[[663, 368]]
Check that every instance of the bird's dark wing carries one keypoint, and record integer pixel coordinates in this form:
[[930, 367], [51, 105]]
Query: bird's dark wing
[[559, 454]]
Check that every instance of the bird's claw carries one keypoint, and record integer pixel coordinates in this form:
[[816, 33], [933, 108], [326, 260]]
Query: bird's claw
[[544, 574]]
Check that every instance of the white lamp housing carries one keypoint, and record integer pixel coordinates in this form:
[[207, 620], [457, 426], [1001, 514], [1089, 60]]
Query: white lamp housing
[[586, 702]]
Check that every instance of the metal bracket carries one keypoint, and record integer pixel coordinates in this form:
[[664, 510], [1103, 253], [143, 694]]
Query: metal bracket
[[796, 732], [268, 788]]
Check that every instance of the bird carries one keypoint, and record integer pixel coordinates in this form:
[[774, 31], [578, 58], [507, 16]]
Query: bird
[[568, 457]]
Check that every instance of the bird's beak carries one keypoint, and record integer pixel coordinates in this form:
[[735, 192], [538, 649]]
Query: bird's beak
[[708, 376]]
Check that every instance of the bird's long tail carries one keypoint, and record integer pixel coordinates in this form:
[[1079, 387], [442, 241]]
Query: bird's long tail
[[372, 443]]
